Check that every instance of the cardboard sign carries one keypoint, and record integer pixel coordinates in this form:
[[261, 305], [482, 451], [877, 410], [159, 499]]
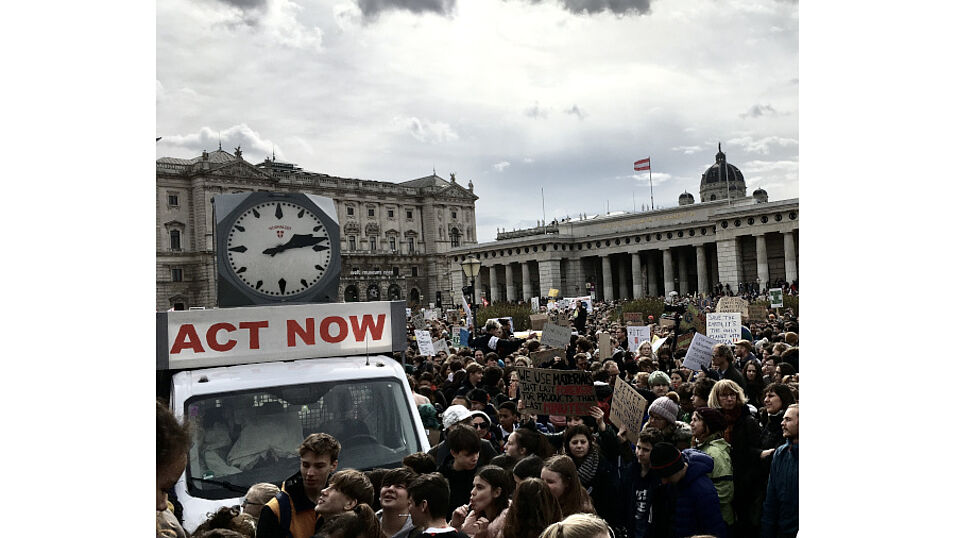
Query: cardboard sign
[[564, 322], [700, 352], [456, 336], [556, 392], [425, 347], [683, 341], [627, 409], [553, 292], [587, 301], [538, 321], [408, 312], [634, 317], [757, 312], [418, 321], [431, 314], [452, 315], [694, 318], [539, 357], [724, 327], [667, 322], [776, 297], [535, 304], [604, 346], [555, 336], [636, 335], [440, 345], [733, 304]]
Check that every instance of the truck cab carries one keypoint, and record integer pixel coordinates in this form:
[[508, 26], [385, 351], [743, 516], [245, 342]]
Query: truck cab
[[249, 418]]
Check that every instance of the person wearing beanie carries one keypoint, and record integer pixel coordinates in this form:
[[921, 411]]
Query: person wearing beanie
[[683, 474], [708, 426], [659, 383], [662, 414]]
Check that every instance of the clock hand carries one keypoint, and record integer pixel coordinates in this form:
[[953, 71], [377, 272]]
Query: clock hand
[[297, 241]]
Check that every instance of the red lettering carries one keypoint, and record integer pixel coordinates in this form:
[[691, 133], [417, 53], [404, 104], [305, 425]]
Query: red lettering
[[307, 334], [253, 328], [367, 322], [187, 338], [214, 343], [324, 329]]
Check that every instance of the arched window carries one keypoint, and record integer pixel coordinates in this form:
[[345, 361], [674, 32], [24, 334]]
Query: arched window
[[413, 297], [373, 292], [394, 292], [351, 294]]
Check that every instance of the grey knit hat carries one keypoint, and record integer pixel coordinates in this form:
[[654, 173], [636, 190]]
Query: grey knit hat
[[658, 378], [665, 408]]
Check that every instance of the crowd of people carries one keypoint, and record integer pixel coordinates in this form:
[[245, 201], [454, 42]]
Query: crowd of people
[[716, 454]]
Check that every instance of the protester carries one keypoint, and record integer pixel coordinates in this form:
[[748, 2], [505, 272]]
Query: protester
[[394, 517], [532, 510], [753, 383], [662, 414], [781, 507], [359, 522], [578, 526], [428, 495], [459, 415], [561, 476], [527, 467], [642, 504], [693, 505], [257, 497], [172, 445], [463, 444], [659, 383], [420, 462], [488, 503], [347, 490], [318, 458], [708, 426], [722, 362], [526, 441], [228, 518]]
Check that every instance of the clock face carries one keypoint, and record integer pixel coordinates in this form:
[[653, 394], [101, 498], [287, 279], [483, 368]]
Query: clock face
[[278, 248]]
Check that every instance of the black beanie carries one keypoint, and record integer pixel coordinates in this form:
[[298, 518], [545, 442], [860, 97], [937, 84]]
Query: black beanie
[[666, 460]]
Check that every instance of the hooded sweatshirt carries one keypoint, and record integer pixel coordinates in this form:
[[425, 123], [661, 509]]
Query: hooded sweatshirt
[[694, 502], [722, 476]]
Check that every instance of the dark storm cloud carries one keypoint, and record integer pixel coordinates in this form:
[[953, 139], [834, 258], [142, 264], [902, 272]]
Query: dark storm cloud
[[372, 8], [619, 7]]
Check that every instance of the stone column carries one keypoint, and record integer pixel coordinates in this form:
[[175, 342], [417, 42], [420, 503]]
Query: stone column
[[789, 257], [682, 272], [622, 279], [493, 283], [652, 275], [763, 270], [584, 277], [549, 276], [728, 262], [636, 274], [668, 272], [702, 285], [509, 283], [608, 282], [525, 282], [478, 287]]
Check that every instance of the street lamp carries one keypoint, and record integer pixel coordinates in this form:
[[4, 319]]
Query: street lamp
[[470, 267]]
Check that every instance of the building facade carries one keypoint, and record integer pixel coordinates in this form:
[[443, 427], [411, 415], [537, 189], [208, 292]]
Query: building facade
[[394, 236], [728, 238]]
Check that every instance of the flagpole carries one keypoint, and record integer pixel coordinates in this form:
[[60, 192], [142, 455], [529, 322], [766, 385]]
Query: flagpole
[[650, 175]]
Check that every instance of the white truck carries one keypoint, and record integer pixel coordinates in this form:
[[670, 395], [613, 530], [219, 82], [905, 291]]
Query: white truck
[[255, 381]]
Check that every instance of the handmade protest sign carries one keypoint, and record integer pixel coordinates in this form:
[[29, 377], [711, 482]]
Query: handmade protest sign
[[776, 297], [757, 312], [658, 343], [604, 346], [538, 321], [636, 335], [700, 352], [535, 304], [408, 312], [627, 409], [440, 345], [452, 315], [431, 314], [667, 322], [556, 392], [418, 321], [636, 318], [553, 292], [724, 327], [455, 336], [424, 339], [555, 335], [733, 304], [539, 357], [683, 341]]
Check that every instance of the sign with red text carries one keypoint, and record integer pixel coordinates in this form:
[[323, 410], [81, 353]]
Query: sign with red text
[[636, 335], [556, 392], [229, 336]]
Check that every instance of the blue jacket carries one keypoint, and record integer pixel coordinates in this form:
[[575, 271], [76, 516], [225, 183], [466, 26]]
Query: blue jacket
[[696, 508], [642, 503], [780, 508]]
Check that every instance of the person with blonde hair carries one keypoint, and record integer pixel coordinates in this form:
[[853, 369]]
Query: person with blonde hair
[[578, 526], [743, 433]]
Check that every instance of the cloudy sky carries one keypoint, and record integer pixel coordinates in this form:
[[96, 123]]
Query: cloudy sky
[[514, 95]]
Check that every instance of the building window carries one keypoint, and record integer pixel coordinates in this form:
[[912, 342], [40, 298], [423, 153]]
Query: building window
[[351, 243], [455, 238], [350, 211], [371, 211], [394, 271], [179, 306], [408, 214], [411, 245], [454, 214], [391, 243], [371, 244], [391, 213], [172, 199], [414, 271], [174, 240], [177, 274]]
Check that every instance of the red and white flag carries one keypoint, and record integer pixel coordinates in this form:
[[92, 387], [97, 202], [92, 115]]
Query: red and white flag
[[643, 164]]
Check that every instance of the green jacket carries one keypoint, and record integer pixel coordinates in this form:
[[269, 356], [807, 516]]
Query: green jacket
[[723, 475]]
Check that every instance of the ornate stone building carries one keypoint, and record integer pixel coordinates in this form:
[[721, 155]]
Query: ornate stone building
[[394, 235], [728, 238]]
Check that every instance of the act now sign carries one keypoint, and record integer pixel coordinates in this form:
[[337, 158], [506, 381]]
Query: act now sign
[[228, 336]]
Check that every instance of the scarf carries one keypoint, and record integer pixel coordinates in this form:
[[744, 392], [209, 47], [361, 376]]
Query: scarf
[[731, 417], [588, 467]]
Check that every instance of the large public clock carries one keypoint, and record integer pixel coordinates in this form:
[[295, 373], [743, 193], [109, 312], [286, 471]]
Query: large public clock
[[275, 248]]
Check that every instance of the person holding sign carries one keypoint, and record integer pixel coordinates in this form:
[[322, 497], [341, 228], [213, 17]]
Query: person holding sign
[[579, 317]]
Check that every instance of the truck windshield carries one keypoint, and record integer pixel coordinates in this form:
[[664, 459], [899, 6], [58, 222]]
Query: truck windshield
[[242, 438]]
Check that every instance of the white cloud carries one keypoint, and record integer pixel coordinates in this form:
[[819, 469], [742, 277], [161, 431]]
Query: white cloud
[[687, 150], [501, 166], [762, 145], [253, 145], [430, 132]]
